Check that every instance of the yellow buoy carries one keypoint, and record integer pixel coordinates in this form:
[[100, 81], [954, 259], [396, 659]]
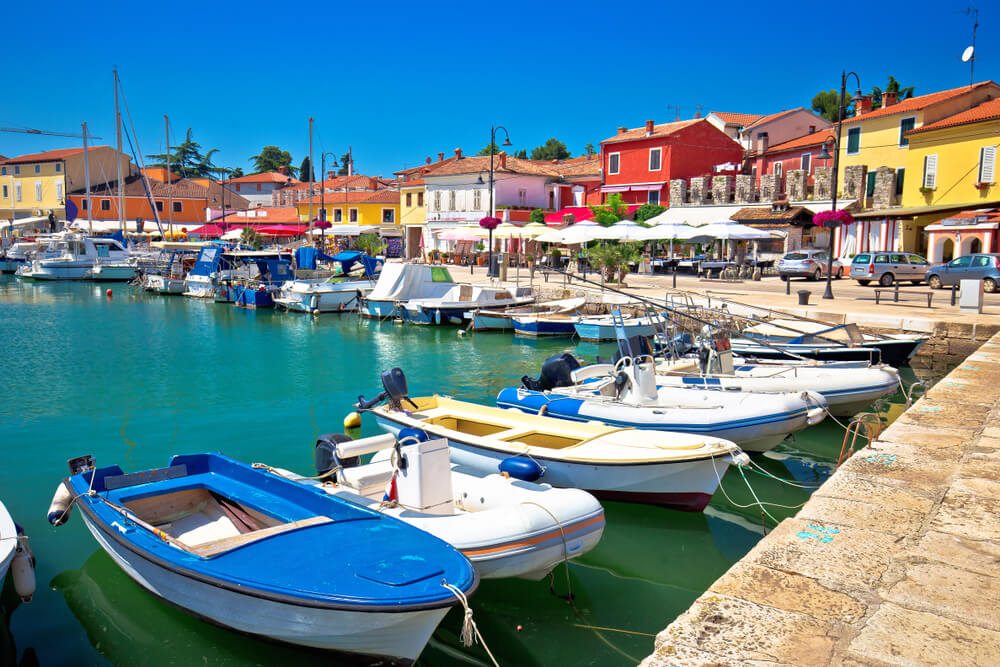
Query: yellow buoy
[[352, 420]]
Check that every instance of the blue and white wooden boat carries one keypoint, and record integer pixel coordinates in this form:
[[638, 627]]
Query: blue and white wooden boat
[[399, 282], [335, 294], [456, 305], [559, 324], [603, 328], [264, 555], [488, 319]]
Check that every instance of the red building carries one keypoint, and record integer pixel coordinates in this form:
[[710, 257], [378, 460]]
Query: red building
[[800, 153], [639, 163]]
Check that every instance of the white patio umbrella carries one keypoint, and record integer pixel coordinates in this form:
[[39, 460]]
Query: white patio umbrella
[[624, 230], [732, 231]]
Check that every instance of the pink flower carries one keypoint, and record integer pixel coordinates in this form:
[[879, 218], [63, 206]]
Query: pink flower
[[832, 218], [490, 222]]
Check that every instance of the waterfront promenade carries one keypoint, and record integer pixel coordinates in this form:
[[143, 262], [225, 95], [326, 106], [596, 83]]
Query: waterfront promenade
[[893, 561]]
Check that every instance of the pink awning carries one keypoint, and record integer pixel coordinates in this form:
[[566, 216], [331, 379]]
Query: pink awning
[[580, 213], [614, 188], [282, 230], [213, 231]]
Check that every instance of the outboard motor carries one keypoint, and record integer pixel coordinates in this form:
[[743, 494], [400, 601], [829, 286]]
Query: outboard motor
[[556, 372], [640, 346], [395, 389], [325, 454], [681, 344]]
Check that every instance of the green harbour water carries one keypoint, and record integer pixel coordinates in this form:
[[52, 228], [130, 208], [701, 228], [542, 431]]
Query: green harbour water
[[138, 377]]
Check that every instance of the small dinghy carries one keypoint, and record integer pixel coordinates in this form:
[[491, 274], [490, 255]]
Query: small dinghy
[[674, 469], [501, 320], [456, 305], [251, 551], [561, 324], [506, 526]]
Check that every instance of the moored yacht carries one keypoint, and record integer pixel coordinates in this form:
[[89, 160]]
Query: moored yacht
[[72, 256]]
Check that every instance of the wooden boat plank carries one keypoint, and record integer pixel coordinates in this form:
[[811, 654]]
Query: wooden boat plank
[[217, 547]]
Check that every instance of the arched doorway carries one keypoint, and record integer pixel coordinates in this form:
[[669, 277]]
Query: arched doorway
[[947, 250], [976, 245]]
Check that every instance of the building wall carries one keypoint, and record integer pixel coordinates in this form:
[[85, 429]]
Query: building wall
[[790, 160], [957, 151], [250, 192], [786, 128], [192, 210], [413, 214], [368, 213]]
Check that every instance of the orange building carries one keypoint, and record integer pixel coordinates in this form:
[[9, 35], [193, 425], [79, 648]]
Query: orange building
[[184, 201]]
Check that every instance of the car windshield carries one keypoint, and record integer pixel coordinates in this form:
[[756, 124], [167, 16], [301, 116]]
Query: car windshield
[[861, 259], [796, 255]]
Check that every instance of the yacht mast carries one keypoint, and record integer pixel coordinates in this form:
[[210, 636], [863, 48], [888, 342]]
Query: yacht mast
[[170, 182], [86, 180], [118, 160]]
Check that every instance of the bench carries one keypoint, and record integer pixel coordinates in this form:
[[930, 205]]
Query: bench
[[879, 291]]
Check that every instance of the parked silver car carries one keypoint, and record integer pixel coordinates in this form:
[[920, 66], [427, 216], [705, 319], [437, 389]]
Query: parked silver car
[[981, 266], [809, 264], [888, 267]]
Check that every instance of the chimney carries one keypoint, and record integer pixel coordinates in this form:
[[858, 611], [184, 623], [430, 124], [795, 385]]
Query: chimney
[[812, 129], [864, 105], [649, 127], [440, 157], [428, 159], [458, 152], [283, 171], [761, 143], [622, 130], [330, 175], [889, 98], [502, 157]]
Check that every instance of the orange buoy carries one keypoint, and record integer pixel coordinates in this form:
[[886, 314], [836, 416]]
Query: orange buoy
[[108, 292]]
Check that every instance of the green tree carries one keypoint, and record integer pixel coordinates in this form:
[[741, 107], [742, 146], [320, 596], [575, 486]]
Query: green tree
[[647, 211], [235, 173], [589, 150], [272, 158], [537, 215], [306, 171], [345, 164], [250, 238], [614, 210], [522, 154], [370, 244], [485, 150], [553, 149], [186, 160], [892, 87], [826, 104]]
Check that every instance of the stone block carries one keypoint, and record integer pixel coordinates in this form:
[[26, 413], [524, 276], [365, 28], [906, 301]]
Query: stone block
[[746, 190], [770, 187], [822, 182], [885, 188], [855, 182], [922, 469], [949, 591], [795, 182], [722, 188], [972, 555], [924, 437], [969, 516], [875, 490], [870, 516], [678, 191], [699, 190]]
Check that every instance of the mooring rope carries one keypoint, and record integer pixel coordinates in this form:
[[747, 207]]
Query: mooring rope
[[470, 632], [562, 531]]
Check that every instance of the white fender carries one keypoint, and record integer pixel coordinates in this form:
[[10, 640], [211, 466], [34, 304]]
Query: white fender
[[365, 445], [61, 505], [22, 569], [818, 412]]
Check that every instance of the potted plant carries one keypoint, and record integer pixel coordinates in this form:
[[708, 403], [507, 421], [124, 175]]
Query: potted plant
[[556, 256]]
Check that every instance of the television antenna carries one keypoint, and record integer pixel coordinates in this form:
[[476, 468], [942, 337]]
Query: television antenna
[[677, 111], [969, 55]]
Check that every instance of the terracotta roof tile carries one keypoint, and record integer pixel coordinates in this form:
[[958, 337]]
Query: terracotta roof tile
[[481, 163], [743, 119], [50, 156], [662, 130], [919, 102], [265, 177], [184, 188], [355, 181], [770, 117], [355, 197], [989, 110], [265, 215], [413, 183], [805, 141], [766, 213]]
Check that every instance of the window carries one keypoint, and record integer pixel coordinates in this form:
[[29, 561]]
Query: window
[[4, 192], [85, 204], [870, 184], [477, 200], [905, 125], [59, 191], [853, 140], [58, 167], [897, 259], [38, 168], [105, 204], [917, 259], [338, 215], [259, 187], [654, 158], [159, 206], [437, 200], [409, 199], [178, 207], [420, 199], [451, 200], [806, 162], [353, 215], [613, 159], [961, 261], [522, 197], [38, 191], [930, 171], [987, 164], [654, 197], [777, 169], [388, 215], [17, 192], [3, 171], [900, 172], [17, 170], [239, 188]]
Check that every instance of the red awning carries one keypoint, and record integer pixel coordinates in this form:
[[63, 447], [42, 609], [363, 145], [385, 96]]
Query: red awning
[[282, 230], [207, 230], [581, 213]]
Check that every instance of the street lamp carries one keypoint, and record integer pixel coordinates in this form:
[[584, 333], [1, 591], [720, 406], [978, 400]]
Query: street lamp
[[506, 142], [322, 193], [824, 155]]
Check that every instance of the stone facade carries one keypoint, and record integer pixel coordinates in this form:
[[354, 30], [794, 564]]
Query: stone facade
[[699, 190], [854, 181], [722, 188], [745, 190], [770, 187], [796, 182], [678, 192], [822, 182], [885, 188]]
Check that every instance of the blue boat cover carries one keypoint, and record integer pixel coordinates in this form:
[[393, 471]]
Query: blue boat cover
[[305, 257], [347, 259]]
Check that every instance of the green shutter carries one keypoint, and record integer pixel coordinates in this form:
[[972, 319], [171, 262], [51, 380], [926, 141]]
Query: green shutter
[[871, 184], [905, 126], [899, 181], [853, 140]]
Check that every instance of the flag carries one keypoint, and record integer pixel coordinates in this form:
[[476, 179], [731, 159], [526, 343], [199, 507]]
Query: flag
[[391, 495]]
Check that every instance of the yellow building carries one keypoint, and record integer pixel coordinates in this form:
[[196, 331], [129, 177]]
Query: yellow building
[[380, 207], [35, 185], [413, 210]]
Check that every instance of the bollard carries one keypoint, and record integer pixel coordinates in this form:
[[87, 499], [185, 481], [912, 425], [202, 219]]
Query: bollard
[[804, 297], [788, 285], [472, 267], [895, 289], [954, 289], [675, 278]]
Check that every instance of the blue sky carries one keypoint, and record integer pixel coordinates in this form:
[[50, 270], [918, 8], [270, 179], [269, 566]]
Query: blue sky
[[402, 81]]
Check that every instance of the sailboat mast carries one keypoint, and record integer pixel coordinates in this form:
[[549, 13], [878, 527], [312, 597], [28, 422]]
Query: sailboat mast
[[311, 170], [118, 160], [86, 179], [170, 181]]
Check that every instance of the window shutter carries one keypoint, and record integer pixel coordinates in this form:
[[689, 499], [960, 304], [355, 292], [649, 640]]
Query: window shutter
[[870, 189], [853, 140], [930, 171], [905, 126], [987, 163], [900, 173]]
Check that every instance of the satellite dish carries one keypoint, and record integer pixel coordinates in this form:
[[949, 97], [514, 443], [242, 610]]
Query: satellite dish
[[967, 54]]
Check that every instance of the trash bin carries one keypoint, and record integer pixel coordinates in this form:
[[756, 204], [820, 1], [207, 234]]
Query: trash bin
[[804, 297], [495, 265]]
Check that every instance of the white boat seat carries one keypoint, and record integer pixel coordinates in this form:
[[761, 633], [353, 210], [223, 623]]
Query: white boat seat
[[685, 366], [367, 478], [591, 371]]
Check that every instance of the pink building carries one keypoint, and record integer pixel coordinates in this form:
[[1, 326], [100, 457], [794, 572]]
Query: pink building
[[800, 153]]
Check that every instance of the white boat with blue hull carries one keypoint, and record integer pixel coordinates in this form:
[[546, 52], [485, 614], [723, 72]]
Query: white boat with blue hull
[[336, 294], [489, 319], [71, 256], [18, 254], [267, 556], [455, 305], [603, 328], [399, 282], [211, 268]]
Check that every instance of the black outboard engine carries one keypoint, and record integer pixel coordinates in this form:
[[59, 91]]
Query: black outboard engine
[[325, 454], [681, 344], [395, 389], [556, 372], [640, 346]]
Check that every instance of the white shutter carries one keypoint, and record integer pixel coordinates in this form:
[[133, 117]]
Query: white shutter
[[987, 163], [930, 171]]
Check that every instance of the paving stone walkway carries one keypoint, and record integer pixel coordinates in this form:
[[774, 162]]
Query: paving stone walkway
[[895, 560]]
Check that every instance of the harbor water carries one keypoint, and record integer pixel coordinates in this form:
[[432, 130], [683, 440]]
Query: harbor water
[[135, 378]]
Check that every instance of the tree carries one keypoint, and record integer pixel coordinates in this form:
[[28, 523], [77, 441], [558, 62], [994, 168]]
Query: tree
[[345, 164], [522, 154], [892, 87], [553, 149], [370, 244], [307, 173], [647, 211], [186, 160], [610, 213], [537, 215], [235, 173], [485, 150], [272, 158], [250, 238], [826, 104], [589, 150]]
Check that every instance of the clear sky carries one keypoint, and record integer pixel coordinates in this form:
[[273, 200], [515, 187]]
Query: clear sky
[[402, 81]]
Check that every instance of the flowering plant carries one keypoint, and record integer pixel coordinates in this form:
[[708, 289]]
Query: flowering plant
[[832, 218], [489, 222]]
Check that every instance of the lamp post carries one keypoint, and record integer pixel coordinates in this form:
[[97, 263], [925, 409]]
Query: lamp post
[[322, 194], [824, 155], [506, 142]]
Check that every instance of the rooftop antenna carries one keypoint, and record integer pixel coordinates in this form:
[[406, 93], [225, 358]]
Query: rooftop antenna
[[677, 111], [699, 108], [969, 55]]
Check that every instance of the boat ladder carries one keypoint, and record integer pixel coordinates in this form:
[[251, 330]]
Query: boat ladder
[[868, 422]]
